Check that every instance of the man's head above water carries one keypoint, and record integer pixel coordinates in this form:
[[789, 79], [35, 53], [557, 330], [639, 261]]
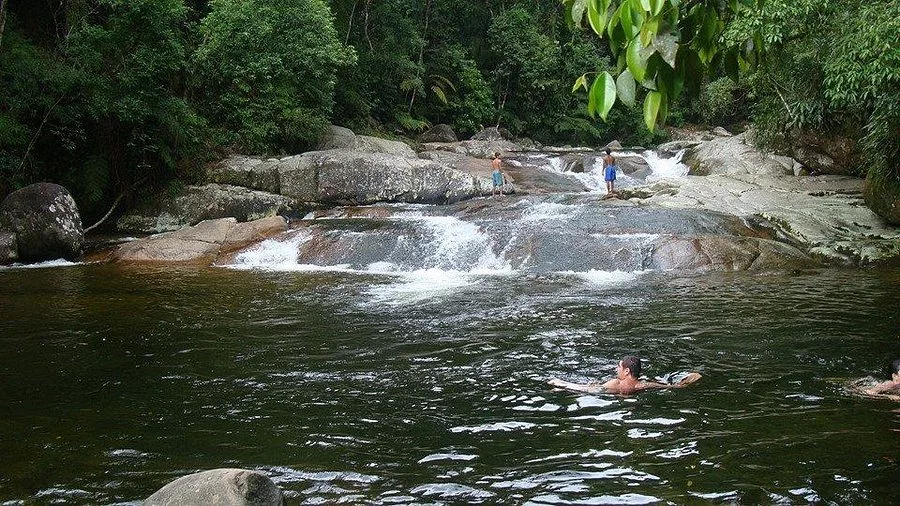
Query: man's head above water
[[629, 366]]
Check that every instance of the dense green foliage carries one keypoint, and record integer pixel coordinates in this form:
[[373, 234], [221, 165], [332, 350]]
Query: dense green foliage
[[831, 67], [102, 95], [265, 70]]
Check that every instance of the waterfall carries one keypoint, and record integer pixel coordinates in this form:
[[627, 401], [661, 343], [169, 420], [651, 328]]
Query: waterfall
[[592, 177], [665, 168]]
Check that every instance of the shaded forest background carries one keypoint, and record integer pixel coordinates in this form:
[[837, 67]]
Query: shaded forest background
[[101, 95]]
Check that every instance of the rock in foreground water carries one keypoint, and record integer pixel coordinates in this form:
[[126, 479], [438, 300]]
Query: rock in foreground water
[[46, 222], [219, 487]]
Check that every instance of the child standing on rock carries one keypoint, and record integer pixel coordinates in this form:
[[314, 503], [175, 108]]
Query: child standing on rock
[[609, 173], [496, 176]]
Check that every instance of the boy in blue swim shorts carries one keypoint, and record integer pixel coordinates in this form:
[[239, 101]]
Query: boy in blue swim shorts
[[609, 172]]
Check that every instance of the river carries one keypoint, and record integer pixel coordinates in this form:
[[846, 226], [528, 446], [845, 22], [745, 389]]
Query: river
[[357, 387]]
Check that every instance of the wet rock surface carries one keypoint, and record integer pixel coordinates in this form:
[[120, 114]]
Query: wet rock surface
[[165, 213], [45, 221], [224, 487], [200, 244]]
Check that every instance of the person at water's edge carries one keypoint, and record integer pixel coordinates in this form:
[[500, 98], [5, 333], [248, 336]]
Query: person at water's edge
[[498, 178], [609, 173], [626, 381], [888, 387]]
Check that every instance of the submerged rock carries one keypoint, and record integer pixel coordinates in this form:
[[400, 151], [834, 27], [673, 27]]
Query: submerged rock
[[198, 203], [225, 487], [45, 221]]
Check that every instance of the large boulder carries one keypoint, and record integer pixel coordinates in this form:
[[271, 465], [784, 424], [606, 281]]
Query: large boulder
[[336, 137], [353, 177], [256, 173], [476, 148], [343, 138], [46, 222], [439, 133], [488, 134], [732, 155], [9, 252], [884, 199], [194, 204], [670, 149], [200, 244], [370, 144], [219, 487], [632, 163], [825, 154]]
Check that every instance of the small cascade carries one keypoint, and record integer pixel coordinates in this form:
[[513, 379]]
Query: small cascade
[[592, 177], [665, 168]]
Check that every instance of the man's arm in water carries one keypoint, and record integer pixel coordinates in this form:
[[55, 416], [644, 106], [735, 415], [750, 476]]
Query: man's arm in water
[[687, 380], [590, 388], [888, 387]]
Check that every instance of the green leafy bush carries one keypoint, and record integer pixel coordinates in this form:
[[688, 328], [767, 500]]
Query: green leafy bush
[[266, 72]]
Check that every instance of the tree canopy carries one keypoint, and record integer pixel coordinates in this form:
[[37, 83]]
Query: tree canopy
[[100, 95]]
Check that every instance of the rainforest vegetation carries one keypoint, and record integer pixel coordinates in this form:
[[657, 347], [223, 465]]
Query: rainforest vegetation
[[104, 95]]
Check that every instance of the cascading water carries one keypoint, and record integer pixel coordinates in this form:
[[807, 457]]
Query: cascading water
[[592, 177]]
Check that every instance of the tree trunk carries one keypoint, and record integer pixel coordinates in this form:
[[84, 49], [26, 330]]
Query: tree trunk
[[2, 20]]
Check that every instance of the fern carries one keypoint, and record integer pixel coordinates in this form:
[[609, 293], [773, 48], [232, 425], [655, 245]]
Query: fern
[[409, 123]]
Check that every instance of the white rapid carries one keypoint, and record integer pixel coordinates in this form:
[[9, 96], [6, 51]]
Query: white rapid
[[592, 177], [424, 256]]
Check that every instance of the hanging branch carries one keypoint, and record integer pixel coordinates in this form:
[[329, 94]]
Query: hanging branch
[[2, 20], [37, 132], [115, 204]]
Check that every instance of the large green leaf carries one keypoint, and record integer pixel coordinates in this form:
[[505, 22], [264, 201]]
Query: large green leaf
[[645, 4], [597, 15], [580, 82], [667, 46], [651, 109], [636, 64], [603, 95], [625, 20], [656, 6], [626, 88], [578, 11]]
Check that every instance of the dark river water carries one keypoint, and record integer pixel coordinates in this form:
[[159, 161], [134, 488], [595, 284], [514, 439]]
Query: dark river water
[[362, 388]]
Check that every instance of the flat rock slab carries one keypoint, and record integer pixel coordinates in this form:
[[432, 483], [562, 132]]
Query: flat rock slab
[[822, 215], [200, 244]]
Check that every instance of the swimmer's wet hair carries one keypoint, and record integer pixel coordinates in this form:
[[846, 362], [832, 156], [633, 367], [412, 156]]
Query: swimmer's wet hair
[[895, 366], [633, 364]]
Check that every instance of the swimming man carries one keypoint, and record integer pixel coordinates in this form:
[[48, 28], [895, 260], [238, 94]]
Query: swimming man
[[888, 387], [626, 381]]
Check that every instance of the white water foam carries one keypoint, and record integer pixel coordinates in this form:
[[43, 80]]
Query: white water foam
[[60, 262], [544, 211], [418, 286], [665, 168], [605, 278], [272, 254]]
